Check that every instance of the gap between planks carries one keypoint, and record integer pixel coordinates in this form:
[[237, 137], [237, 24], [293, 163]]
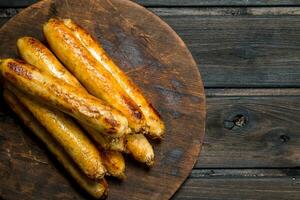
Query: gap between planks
[[245, 173], [218, 3], [251, 92], [226, 11]]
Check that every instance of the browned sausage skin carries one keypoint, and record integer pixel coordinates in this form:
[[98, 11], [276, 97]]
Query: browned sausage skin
[[92, 74], [155, 125], [65, 97], [94, 188]]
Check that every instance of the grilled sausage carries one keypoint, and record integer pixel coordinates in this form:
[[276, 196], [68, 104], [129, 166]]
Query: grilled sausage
[[67, 133], [94, 188], [155, 125], [93, 75], [36, 54], [65, 97], [140, 148]]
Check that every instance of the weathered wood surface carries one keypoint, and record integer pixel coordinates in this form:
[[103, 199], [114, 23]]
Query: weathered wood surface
[[22, 3], [251, 131], [243, 50], [219, 2], [269, 138], [241, 184], [254, 92], [141, 46]]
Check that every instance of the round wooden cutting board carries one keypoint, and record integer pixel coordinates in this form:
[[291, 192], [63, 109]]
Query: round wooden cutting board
[[155, 58]]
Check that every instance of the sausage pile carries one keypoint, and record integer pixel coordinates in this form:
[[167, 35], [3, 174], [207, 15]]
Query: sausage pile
[[85, 110]]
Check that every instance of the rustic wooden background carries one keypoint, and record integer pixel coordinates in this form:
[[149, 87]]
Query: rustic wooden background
[[248, 52]]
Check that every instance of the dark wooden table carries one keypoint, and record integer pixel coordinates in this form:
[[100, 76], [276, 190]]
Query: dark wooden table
[[248, 52]]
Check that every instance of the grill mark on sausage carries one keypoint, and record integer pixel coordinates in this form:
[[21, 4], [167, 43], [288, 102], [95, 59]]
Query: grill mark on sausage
[[113, 123], [154, 110], [133, 107], [32, 41], [36, 45], [14, 66], [88, 110], [69, 98]]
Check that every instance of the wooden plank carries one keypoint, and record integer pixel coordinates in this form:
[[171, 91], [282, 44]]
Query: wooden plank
[[217, 184], [219, 2], [227, 11], [251, 131], [238, 92], [241, 184], [242, 51], [23, 3], [246, 173]]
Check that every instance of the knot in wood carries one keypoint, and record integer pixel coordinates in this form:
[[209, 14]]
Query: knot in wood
[[284, 138], [239, 120], [235, 121]]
